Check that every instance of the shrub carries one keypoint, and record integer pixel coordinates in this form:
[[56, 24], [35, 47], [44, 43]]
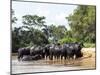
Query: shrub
[[89, 45], [67, 40]]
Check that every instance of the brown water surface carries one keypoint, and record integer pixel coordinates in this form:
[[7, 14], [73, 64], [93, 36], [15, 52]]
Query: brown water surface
[[86, 62]]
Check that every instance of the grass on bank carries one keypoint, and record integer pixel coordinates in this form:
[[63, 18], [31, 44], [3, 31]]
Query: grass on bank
[[89, 45]]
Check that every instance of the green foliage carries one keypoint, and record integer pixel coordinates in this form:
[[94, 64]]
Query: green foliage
[[57, 32], [89, 45], [83, 23], [67, 40], [14, 19], [23, 38], [31, 20]]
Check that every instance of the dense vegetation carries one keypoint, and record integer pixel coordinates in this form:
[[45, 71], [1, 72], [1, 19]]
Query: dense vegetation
[[35, 31]]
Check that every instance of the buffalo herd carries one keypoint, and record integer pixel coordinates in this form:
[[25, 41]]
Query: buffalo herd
[[51, 51]]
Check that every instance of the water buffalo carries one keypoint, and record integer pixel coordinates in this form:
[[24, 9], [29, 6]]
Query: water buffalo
[[34, 52], [47, 51], [55, 51], [78, 48], [30, 58], [27, 58], [37, 51], [22, 52], [51, 51], [63, 52], [73, 49], [68, 50]]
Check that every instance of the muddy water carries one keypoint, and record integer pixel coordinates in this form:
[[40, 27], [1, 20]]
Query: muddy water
[[86, 62]]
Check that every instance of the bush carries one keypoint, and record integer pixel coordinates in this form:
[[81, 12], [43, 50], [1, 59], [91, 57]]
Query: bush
[[67, 40], [89, 45]]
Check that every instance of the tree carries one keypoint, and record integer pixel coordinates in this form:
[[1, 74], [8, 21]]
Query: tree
[[14, 19], [15, 39], [83, 23], [46, 31], [33, 20], [55, 32]]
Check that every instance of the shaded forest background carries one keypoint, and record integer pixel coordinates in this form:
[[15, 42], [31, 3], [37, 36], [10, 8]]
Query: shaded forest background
[[34, 31]]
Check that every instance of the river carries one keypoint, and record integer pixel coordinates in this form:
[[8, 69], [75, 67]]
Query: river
[[86, 62]]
